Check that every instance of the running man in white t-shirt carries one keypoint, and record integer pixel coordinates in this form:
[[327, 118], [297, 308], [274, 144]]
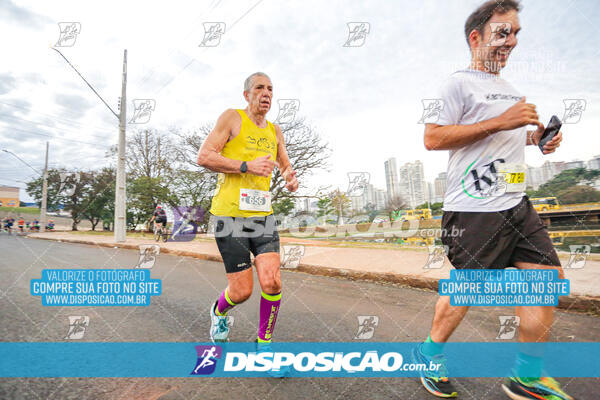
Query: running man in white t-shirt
[[484, 123]]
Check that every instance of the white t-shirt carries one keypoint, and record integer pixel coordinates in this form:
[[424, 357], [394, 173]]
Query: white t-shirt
[[469, 97]]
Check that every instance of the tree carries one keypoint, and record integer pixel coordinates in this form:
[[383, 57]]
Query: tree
[[101, 196], [325, 207], [79, 199], [143, 195], [156, 175], [565, 180], [68, 189], [192, 188], [307, 152], [578, 194], [396, 203], [436, 208], [34, 189], [149, 153], [341, 203], [283, 206]]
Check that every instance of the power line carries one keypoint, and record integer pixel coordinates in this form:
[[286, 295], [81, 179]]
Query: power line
[[20, 159], [193, 59], [59, 138], [49, 126], [87, 83], [67, 120], [150, 73]]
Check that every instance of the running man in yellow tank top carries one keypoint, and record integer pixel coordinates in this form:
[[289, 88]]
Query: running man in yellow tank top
[[245, 148]]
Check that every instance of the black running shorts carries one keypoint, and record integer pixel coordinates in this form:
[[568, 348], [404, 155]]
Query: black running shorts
[[162, 221], [238, 237], [495, 240]]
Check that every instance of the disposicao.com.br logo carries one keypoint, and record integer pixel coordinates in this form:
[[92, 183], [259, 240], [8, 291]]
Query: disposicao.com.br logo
[[340, 359], [322, 362]]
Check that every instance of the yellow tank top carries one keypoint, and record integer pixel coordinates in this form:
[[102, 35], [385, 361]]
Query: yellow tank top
[[251, 143]]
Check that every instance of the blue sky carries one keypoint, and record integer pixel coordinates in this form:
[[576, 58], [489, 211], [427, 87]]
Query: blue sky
[[365, 101]]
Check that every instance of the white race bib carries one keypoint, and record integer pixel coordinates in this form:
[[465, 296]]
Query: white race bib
[[512, 176], [255, 200]]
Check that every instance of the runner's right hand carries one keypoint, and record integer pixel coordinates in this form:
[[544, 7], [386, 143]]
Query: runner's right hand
[[261, 166], [518, 115]]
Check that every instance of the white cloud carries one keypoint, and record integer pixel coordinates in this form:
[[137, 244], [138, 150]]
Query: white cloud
[[366, 101]]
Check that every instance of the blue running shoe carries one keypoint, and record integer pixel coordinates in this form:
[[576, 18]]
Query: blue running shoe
[[435, 382]]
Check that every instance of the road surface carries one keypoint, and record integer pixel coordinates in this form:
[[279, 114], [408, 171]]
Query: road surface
[[314, 308]]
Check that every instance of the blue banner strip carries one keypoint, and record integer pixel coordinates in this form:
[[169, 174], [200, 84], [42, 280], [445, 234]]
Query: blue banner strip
[[337, 359]]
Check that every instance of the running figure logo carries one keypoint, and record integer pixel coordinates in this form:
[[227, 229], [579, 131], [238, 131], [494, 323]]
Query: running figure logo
[[291, 256], [148, 253], [366, 326], [287, 110], [142, 110], [212, 34], [77, 326], [357, 183], [437, 256], [579, 255], [207, 359], [508, 326], [499, 31], [185, 223], [431, 110], [64, 177], [573, 110], [357, 34], [68, 33]]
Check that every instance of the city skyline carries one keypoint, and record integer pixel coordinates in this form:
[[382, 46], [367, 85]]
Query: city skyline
[[415, 190], [43, 99]]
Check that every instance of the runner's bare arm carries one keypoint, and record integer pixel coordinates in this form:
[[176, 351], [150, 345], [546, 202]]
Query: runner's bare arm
[[283, 161], [209, 155], [448, 137]]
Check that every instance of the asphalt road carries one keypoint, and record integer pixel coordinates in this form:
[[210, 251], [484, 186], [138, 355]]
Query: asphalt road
[[314, 308]]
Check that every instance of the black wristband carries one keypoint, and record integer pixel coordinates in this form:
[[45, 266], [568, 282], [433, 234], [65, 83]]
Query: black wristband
[[244, 167]]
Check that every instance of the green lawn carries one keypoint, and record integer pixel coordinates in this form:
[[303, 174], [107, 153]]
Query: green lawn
[[21, 210]]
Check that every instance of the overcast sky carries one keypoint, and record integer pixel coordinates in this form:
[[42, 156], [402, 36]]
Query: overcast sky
[[365, 100]]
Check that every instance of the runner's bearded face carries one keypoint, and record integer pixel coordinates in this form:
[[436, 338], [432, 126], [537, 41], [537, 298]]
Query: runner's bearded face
[[497, 42], [260, 95]]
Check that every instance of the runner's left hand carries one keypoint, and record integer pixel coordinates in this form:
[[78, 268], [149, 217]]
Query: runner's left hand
[[291, 181]]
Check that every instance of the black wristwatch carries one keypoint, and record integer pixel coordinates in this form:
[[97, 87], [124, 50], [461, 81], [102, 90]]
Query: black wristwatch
[[244, 167]]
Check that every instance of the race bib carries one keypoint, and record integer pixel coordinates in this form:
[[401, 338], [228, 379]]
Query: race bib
[[512, 177], [255, 200]]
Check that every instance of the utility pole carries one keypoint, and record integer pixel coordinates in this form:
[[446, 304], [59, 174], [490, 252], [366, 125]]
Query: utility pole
[[43, 216], [120, 213], [120, 207]]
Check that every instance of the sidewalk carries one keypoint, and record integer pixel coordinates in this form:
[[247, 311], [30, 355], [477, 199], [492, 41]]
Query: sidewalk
[[404, 266]]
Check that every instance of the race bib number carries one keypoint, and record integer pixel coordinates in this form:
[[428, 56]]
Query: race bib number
[[512, 176], [255, 200]]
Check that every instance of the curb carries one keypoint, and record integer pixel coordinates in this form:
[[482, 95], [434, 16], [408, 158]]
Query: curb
[[578, 303]]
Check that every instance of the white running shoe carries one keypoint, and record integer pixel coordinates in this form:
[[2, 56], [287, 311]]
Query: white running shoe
[[219, 330]]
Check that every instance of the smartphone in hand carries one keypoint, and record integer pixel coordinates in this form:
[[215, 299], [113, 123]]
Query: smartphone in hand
[[551, 130]]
